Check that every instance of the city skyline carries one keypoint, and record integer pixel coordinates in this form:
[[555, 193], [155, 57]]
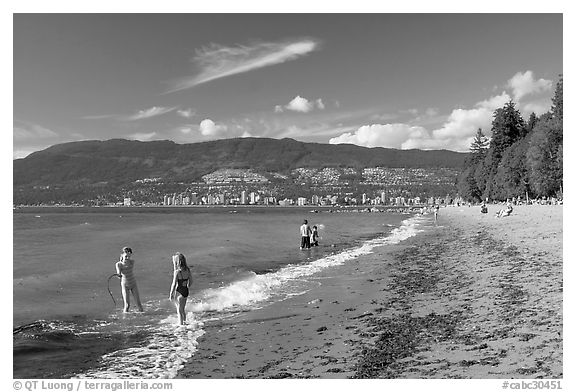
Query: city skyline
[[404, 81]]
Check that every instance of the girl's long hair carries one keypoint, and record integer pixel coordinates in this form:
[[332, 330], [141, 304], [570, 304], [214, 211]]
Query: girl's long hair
[[181, 263]]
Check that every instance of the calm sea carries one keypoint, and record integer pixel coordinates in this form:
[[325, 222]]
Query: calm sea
[[67, 325]]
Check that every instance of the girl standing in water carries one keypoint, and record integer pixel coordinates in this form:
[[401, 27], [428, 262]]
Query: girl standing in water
[[124, 269], [180, 283]]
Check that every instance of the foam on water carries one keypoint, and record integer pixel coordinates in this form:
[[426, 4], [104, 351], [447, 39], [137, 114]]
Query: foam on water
[[161, 356], [258, 288], [167, 346]]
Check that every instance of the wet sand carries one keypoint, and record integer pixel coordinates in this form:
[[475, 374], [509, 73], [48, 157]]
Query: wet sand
[[473, 296]]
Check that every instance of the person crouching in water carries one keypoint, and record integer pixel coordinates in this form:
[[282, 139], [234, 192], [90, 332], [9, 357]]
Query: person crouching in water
[[180, 283], [125, 270]]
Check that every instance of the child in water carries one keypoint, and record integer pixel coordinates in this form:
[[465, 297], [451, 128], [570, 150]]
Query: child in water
[[314, 239], [180, 283], [124, 269]]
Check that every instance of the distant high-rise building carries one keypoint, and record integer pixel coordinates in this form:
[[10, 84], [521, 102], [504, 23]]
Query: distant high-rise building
[[243, 197]]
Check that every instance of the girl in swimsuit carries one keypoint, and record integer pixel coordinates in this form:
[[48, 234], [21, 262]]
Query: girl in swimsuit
[[180, 283], [124, 269]]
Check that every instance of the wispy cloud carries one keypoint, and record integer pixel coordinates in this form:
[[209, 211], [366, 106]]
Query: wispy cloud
[[148, 113], [29, 137], [99, 117], [217, 61], [144, 137], [186, 113], [24, 131]]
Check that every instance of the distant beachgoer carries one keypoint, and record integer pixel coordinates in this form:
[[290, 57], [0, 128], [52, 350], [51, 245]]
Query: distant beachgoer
[[314, 239], [125, 269], [180, 285], [505, 211], [484, 208], [436, 209], [305, 232]]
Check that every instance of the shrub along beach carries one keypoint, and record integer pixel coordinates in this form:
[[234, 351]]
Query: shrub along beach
[[473, 296]]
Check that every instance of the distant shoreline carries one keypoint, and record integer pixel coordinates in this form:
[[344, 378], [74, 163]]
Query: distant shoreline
[[313, 209]]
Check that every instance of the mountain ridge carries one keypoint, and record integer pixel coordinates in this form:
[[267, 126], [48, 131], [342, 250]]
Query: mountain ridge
[[121, 160]]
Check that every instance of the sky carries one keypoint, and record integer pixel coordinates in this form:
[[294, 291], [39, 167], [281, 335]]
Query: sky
[[426, 81]]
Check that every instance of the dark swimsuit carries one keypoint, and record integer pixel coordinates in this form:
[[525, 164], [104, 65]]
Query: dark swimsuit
[[182, 287]]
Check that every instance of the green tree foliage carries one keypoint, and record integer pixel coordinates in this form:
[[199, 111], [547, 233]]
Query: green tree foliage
[[479, 147], [467, 187], [507, 127], [544, 158], [523, 157], [557, 100], [512, 174], [531, 122]]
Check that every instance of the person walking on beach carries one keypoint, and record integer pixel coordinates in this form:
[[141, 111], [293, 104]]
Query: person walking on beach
[[305, 232], [125, 270], [314, 239], [436, 209], [180, 283]]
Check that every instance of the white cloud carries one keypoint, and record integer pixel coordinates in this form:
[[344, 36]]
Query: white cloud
[[32, 132], [210, 128], [152, 112], [186, 113], [455, 134], [300, 104], [22, 152], [246, 134], [494, 102], [460, 127], [538, 107], [379, 135], [523, 84], [144, 137], [217, 61]]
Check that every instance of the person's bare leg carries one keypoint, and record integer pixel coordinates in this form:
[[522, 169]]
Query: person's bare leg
[[126, 297], [136, 295]]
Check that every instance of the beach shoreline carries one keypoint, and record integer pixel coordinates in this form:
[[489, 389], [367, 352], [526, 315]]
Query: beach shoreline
[[472, 297]]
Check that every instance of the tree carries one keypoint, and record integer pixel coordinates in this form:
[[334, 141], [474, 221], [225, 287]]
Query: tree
[[558, 100], [512, 176], [544, 158], [467, 187], [507, 127], [479, 146], [531, 122]]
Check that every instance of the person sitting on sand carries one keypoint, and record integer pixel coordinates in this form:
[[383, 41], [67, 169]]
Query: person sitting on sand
[[505, 211], [180, 285], [124, 269], [484, 208], [314, 239]]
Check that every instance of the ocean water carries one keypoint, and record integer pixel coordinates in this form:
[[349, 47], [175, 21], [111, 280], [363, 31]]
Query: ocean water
[[67, 325]]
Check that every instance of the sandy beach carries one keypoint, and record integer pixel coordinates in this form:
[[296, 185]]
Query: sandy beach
[[472, 297]]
